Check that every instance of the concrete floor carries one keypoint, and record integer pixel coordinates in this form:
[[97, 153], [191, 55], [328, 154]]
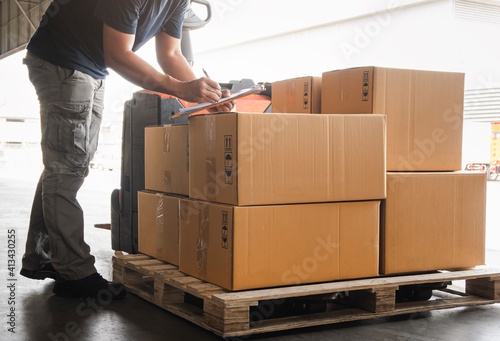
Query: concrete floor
[[41, 316]]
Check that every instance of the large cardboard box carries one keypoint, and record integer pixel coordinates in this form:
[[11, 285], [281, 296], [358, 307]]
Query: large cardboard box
[[433, 221], [260, 159], [166, 159], [265, 246], [298, 95], [424, 112], [159, 226]]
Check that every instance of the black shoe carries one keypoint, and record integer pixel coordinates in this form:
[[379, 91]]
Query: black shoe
[[90, 286], [47, 271]]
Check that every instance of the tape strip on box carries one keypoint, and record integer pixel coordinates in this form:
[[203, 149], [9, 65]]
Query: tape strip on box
[[160, 223], [202, 245]]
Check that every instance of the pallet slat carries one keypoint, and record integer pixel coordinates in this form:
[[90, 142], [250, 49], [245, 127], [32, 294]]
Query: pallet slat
[[347, 315], [230, 314], [355, 285]]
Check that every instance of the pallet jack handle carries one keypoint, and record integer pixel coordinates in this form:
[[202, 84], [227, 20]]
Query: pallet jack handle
[[193, 22]]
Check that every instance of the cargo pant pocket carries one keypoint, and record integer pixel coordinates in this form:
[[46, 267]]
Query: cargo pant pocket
[[68, 132]]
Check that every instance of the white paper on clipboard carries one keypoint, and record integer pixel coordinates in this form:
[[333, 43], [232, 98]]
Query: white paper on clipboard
[[197, 107]]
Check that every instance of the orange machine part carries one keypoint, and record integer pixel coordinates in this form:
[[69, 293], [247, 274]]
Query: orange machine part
[[252, 103]]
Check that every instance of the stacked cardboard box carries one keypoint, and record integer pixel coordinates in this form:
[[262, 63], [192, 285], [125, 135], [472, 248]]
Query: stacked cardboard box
[[248, 247], [298, 95], [248, 200], [166, 168], [424, 112], [274, 199], [159, 225], [431, 220], [280, 199], [166, 163], [262, 159]]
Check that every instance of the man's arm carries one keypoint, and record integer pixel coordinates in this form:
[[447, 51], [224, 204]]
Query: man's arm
[[172, 62], [119, 56], [170, 58]]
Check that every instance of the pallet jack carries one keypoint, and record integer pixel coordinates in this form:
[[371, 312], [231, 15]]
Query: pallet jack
[[145, 109]]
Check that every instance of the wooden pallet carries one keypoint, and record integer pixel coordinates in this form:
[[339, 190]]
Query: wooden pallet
[[231, 314]]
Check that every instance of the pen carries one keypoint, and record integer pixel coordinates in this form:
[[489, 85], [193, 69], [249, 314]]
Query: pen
[[206, 74]]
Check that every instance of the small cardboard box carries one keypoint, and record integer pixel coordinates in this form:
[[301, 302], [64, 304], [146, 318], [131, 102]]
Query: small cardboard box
[[166, 159], [424, 112], [260, 159], [298, 95], [159, 226], [265, 246], [433, 221]]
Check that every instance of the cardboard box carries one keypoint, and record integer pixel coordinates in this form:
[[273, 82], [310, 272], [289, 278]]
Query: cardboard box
[[159, 226], [424, 112], [265, 246], [166, 159], [260, 159], [298, 95], [433, 221]]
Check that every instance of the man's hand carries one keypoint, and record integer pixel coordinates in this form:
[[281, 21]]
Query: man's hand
[[200, 90], [172, 62], [224, 107]]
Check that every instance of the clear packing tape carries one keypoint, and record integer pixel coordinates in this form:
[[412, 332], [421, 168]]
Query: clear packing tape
[[202, 243], [160, 223], [167, 175]]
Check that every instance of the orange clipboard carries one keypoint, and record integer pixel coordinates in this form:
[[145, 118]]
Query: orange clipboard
[[201, 106]]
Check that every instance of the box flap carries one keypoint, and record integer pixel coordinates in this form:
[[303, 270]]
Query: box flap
[[328, 153]]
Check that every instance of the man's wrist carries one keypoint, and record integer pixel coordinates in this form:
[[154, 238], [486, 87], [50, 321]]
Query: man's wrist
[[171, 86]]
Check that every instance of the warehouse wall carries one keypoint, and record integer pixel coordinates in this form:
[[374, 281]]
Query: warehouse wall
[[419, 34]]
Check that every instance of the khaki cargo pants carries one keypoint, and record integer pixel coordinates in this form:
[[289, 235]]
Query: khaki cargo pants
[[71, 105]]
